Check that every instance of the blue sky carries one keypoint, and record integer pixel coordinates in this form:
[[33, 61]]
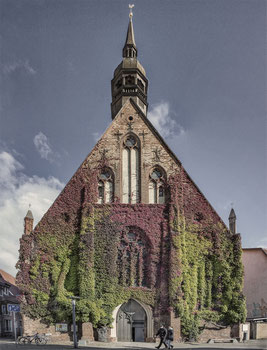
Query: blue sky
[[206, 65]]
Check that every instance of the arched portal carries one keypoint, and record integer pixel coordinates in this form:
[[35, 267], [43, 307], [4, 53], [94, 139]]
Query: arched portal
[[131, 322]]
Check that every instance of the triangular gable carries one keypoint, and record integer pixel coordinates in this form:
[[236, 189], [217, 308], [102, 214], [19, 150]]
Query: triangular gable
[[155, 134]]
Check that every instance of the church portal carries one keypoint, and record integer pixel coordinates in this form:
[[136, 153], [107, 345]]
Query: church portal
[[131, 322]]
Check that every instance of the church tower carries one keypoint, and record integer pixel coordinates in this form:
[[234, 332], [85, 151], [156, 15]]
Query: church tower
[[129, 77], [232, 221], [28, 223]]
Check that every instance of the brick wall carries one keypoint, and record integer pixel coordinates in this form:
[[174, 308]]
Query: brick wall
[[212, 332]]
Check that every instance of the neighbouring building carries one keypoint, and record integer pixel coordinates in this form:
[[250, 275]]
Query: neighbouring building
[[255, 289], [133, 236], [9, 294]]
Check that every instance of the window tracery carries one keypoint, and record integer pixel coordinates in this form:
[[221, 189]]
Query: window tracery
[[105, 186], [156, 190], [133, 259], [131, 170]]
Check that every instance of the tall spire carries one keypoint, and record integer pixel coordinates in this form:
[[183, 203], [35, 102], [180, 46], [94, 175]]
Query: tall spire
[[232, 221], [129, 77], [130, 50]]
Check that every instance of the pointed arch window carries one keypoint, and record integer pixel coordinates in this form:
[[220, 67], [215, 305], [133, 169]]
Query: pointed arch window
[[106, 186], [131, 170], [133, 259], [157, 193]]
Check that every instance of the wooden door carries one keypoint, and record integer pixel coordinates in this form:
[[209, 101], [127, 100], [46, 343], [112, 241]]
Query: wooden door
[[131, 322]]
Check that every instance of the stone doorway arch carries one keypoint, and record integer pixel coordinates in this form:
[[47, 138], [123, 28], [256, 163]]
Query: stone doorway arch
[[133, 321]]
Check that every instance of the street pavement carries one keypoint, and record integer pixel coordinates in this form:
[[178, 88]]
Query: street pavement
[[249, 345]]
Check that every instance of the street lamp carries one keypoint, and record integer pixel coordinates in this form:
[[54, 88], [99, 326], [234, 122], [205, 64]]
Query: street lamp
[[73, 301]]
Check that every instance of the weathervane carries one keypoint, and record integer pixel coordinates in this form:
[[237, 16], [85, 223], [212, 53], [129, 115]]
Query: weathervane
[[131, 10]]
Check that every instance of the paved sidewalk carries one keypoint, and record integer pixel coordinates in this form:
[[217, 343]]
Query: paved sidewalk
[[252, 344]]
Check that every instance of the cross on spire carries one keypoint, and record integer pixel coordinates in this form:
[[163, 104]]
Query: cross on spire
[[131, 11]]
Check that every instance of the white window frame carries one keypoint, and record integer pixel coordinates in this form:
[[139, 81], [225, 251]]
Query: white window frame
[[1, 292], [9, 322], [4, 310], [154, 187], [6, 290], [106, 187], [131, 176]]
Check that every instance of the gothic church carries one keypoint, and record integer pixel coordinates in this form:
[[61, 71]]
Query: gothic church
[[132, 235]]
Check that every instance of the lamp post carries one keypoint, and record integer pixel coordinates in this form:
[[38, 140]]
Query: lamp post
[[73, 302]]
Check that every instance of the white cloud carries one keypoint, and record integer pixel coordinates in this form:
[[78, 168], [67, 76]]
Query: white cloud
[[42, 145], [19, 65], [163, 122], [17, 191]]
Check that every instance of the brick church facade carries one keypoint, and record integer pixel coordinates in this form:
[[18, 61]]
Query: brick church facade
[[132, 235]]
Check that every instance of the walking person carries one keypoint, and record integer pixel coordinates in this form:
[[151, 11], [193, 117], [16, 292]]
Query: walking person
[[169, 337], [162, 333]]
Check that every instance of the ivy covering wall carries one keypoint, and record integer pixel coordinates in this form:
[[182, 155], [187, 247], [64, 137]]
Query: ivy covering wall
[[195, 268]]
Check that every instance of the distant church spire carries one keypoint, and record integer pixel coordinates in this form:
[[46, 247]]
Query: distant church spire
[[130, 76], [232, 221], [28, 222]]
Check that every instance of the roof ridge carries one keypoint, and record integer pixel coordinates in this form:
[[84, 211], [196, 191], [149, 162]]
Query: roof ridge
[[7, 277]]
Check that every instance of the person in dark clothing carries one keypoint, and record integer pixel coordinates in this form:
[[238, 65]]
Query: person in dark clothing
[[169, 337], [162, 333]]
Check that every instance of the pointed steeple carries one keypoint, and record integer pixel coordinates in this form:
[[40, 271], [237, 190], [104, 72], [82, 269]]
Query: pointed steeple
[[129, 77], [130, 50], [232, 221], [29, 215], [28, 223]]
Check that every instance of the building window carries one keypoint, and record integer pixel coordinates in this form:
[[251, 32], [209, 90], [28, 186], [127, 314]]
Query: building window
[[133, 259], [1, 292], [131, 170], [129, 80], [106, 186], [6, 290], [140, 84], [4, 309], [8, 325], [156, 186]]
